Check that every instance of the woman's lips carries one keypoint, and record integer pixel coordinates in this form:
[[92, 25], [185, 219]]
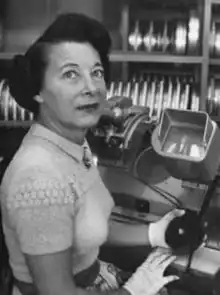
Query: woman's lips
[[89, 107]]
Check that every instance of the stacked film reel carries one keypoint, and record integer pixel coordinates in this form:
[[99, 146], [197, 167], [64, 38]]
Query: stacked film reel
[[174, 36], [213, 99], [9, 109], [154, 92], [158, 93]]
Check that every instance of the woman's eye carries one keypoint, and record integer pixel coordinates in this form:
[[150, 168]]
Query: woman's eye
[[71, 74], [99, 73]]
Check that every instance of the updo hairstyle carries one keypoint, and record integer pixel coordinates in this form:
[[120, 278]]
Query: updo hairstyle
[[27, 71]]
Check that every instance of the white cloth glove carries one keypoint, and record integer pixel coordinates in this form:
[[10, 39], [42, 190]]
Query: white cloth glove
[[157, 230], [148, 278]]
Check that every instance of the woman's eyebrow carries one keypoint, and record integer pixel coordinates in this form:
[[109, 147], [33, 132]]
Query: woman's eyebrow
[[98, 64], [69, 64]]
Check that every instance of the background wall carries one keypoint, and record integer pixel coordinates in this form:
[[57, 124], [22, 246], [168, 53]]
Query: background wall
[[24, 20]]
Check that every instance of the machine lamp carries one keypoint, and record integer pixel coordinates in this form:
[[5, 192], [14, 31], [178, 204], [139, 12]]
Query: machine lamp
[[189, 141]]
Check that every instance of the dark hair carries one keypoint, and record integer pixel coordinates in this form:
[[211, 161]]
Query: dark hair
[[27, 72]]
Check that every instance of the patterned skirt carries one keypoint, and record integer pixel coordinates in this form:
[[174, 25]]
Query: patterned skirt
[[109, 277]]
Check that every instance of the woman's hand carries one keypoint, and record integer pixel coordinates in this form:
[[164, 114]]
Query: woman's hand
[[149, 278], [157, 230]]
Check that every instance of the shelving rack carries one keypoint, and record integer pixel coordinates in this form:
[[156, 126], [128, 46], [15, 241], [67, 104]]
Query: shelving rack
[[125, 56], [203, 60]]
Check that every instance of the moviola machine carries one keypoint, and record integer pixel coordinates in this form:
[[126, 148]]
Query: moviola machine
[[186, 144]]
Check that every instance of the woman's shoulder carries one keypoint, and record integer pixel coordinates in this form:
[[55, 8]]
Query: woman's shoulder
[[32, 161], [33, 179]]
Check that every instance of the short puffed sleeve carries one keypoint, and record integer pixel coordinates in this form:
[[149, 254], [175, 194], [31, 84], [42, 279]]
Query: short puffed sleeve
[[41, 206]]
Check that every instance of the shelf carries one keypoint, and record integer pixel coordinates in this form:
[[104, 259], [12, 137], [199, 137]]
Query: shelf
[[215, 2], [17, 124], [153, 14], [214, 61], [121, 56]]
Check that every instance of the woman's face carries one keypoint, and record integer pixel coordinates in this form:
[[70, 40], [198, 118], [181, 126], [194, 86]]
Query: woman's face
[[74, 88]]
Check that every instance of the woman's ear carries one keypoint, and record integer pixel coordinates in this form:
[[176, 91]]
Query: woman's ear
[[38, 98]]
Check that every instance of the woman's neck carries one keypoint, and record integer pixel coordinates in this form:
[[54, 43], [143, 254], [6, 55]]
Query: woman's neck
[[73, 134]]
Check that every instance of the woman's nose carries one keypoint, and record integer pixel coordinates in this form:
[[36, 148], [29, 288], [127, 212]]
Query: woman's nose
[[89, 85]]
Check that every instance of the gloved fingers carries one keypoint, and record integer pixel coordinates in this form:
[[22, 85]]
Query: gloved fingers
[[174, 213], [160, 263], [153, 255], [164, 250], [164, 260], [167, 262], [170, 279]]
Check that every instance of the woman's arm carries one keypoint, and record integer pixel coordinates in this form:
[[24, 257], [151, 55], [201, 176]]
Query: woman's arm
[[124, 234], [52, 275], [140, 234]]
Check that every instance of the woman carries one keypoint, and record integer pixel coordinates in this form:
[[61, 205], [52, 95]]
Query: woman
[[55, 206]]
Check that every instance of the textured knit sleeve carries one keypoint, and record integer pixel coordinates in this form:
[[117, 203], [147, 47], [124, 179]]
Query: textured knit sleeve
[[41, 207]]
